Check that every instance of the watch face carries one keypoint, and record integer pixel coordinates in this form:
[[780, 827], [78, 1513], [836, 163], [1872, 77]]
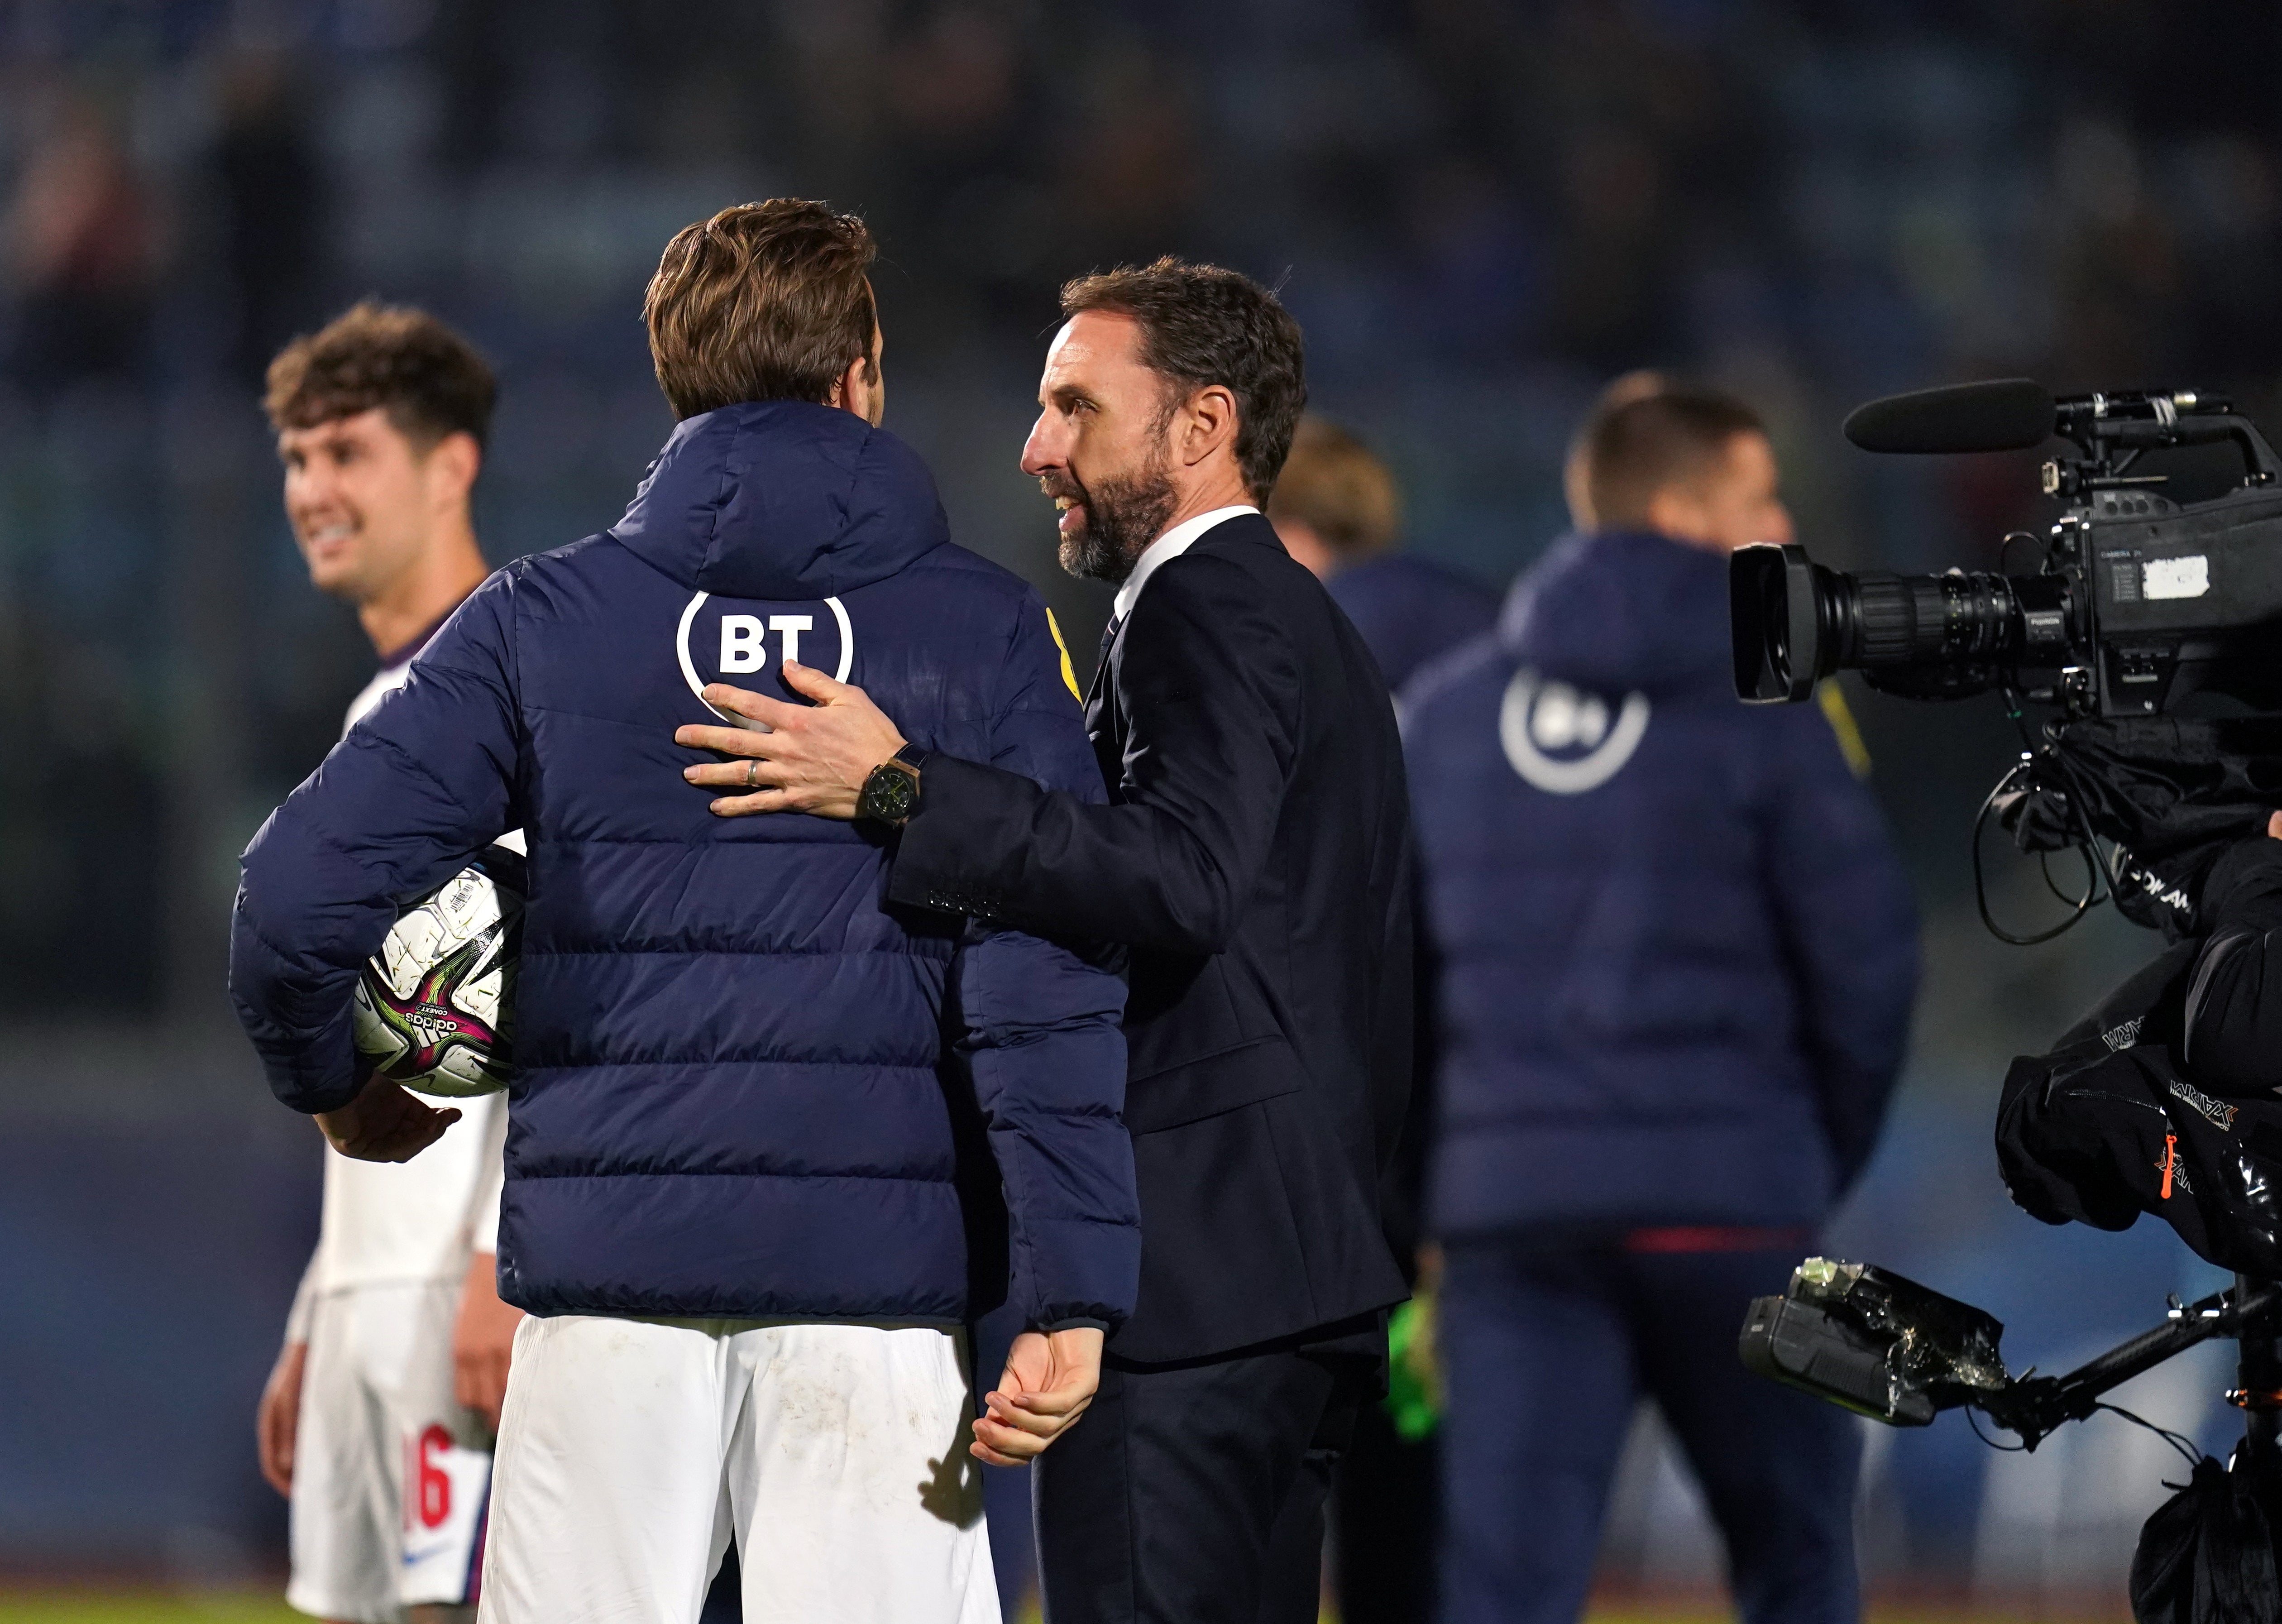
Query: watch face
[[890, 794]]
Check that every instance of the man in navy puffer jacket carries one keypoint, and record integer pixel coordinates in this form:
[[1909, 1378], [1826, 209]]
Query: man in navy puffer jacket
[[1677, 959], [762, 1120]]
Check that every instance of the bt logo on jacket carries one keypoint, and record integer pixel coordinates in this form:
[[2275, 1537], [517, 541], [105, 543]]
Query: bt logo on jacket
[[1563, 740], [735, 640]]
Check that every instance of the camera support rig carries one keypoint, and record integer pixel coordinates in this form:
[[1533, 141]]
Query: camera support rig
[[2104, 425], [2035, 1406], [1891, 1349]]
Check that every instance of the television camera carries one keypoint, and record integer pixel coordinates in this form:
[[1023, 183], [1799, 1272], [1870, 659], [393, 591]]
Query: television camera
[[2138, 603], [2149, 621]]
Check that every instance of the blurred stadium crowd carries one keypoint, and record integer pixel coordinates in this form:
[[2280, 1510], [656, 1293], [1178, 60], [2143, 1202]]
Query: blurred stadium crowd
[[1478, 209]]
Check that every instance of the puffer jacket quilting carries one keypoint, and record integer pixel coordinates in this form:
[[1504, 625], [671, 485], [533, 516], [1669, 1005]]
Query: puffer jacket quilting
[[746, 1086], [1677, 952]]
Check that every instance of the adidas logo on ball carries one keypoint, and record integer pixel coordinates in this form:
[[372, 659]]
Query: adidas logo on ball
[[434, 1007]]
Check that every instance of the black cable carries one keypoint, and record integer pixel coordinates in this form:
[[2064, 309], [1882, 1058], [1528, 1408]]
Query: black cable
[[2044, 863], [2081, 906], [2019, 719], [2075, 798], [2007, 1448], [2183, 1444]]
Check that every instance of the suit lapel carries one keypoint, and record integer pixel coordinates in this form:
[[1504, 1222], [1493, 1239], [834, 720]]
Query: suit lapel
[[1110, 633], [1105, 724]]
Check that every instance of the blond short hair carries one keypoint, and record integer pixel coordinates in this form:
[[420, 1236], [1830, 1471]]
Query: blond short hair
[[1333, 484]]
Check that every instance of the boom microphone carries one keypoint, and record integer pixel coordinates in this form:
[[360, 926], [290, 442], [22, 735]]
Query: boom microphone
[[2008, 415]]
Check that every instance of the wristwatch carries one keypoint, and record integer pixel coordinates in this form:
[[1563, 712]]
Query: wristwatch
[[891, 793]]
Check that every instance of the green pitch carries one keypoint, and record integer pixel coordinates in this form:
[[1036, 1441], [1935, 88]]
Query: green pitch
[[143, 1607]]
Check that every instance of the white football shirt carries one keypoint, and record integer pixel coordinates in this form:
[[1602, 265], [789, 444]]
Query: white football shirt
[[416, 1220]]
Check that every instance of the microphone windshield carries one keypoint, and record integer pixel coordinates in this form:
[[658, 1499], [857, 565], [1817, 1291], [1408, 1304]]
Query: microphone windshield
[[2008, 415]]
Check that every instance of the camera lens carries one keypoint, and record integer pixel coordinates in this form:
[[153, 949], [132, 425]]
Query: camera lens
[[1885, 620], [1778, 609], [1794, 622], [1923, 620]]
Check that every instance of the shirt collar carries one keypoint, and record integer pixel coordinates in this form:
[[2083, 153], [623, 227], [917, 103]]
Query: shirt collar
[[1167, 548]]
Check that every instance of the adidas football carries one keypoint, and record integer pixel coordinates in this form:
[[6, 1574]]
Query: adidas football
[[434, 1008]]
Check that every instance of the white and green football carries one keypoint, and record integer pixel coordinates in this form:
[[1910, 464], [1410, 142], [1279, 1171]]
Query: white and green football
[[435, 1008]]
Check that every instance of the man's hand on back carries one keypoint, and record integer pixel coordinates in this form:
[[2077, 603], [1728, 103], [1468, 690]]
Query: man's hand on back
[[384, 1123], [804, 758], [1049, 1379]]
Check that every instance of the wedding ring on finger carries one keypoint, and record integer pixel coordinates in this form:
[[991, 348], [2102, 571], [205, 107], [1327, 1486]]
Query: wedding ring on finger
[[753, 773]]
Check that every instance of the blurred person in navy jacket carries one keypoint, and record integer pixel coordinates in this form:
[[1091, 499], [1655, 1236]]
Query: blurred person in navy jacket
[[1337, 510], [1677, 960]]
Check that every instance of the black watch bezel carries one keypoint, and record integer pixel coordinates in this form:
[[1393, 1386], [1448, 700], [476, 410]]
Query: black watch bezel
[[891, 792]]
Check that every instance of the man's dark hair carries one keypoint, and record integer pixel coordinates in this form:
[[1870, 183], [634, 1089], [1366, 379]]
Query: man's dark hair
[[765, 301], [428, 378], [1637, 447], [1202, 325]]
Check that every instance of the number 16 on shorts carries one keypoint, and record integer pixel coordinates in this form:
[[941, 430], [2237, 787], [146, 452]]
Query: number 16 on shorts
[[445, 1489]]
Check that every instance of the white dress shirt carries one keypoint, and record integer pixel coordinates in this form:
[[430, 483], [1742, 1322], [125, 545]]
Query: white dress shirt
[[1164, 550]]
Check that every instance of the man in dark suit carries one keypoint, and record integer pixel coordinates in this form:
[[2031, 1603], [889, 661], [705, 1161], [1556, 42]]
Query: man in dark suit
[[1253, 858]]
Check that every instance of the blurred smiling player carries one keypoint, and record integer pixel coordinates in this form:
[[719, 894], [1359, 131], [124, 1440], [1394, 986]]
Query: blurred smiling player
[[377, 1420]]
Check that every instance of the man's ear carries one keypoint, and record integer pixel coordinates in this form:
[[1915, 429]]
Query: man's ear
[[1678, 512], [456, 460], [1209, 423], [856, 388]]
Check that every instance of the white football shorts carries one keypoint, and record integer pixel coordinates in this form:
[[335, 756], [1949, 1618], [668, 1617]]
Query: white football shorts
[[391, 1477], [633, 1451]]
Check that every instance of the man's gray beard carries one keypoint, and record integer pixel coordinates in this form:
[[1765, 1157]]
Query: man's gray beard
[[1122, 517]]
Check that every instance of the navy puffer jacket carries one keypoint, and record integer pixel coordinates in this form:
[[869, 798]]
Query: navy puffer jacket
[[748, 1088], [1677, 950]]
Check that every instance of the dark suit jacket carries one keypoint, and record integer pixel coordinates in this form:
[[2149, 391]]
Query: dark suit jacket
[[1255, 858]]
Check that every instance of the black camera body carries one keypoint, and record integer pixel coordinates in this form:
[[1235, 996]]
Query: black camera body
[[1865, 1338], [1875, 1343], [2139, 602]]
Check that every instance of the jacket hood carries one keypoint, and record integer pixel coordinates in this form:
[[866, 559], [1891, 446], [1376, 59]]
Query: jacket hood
[[782, 499], [1622, 610]]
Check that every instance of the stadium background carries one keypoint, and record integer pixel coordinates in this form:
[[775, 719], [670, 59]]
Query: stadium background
[[1479, 208]]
